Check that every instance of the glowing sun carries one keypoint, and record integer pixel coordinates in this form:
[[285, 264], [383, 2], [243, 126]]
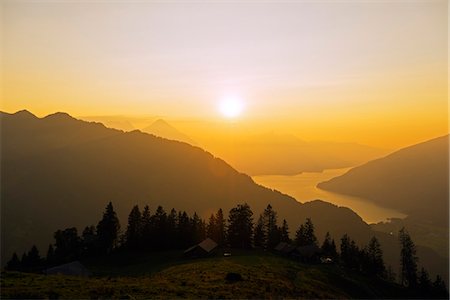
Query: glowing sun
[[231, 107]]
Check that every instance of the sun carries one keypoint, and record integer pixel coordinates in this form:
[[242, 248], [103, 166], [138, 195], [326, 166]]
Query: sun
[[231, 107]]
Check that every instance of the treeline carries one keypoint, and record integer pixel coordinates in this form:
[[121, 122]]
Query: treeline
[[178, 230]]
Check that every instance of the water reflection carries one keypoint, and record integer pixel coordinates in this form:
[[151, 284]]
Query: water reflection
[[303, 188]]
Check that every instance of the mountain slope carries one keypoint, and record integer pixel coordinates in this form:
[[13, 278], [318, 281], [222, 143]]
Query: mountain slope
[[414, 180], [60, 172], [285, 154]]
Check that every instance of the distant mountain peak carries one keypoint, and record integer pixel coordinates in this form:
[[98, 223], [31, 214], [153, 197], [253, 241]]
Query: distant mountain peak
[[163, 129], [59, 116], [24, 114]]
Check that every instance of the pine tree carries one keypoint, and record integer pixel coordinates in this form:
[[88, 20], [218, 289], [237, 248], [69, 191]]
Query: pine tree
[[300, 236], [424, 283], [184, 236], [284, 232], [240, 228], [159, 228], [212, 227], [305, 234], [349, 252], [439, 289], [108, 230], [172, 228], [34, 260], [270, 228], [146, 228], [88, 240], [67, 245], [14, 263], [329, 246], [408, 259], [309, 232], [259, 236], [197, 229], [133, 234], [375, 258], [220, 237]]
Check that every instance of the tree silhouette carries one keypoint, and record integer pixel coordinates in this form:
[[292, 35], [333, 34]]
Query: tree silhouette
[[133, 234], [329, 246], [220, 235], [305, 234], [172, 220], [270, 227], [67, 245], [240, 226], [146, 228], [408, 259], [108, 230], [349, 252], [375, 258], [259, 235], [284, 232], [14, 263]]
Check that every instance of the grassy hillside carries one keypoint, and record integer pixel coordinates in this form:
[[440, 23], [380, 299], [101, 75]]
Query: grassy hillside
[[264, 275]]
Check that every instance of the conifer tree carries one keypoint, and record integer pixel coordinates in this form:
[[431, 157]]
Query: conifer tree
[[133, 234], [375, 258], [329, 246], [146, 228], [212, 227], [159, 228], [220, 236], [408, 259], [14, 263], [270, 228], [259, 236], [300, 236], [284, 232], [172, 228], [240, 226], [108, 230]]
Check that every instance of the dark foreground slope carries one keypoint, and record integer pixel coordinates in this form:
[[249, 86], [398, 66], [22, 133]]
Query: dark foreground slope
[[263, 276], [413, 180], [61, 172]]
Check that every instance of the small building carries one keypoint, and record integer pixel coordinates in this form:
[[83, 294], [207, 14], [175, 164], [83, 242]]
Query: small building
[[285, 248], [307, 253], [74, 268], [204, 248]]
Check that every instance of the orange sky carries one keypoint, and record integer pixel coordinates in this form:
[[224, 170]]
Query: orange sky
[[363, 71]]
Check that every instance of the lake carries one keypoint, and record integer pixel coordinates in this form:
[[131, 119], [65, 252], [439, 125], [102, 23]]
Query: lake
[[303, 188]]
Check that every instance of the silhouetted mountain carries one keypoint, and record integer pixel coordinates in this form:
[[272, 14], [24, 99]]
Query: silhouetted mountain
[[58, 171], [285, 154], [413, 180], [163, 129], [116, 122]]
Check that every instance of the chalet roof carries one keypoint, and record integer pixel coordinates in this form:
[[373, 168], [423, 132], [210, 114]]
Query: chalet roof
[[284, 247], [207, 245], [281, 246], [74, 268]]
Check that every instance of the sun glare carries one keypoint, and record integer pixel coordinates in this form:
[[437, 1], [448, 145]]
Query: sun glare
[[231, 107]]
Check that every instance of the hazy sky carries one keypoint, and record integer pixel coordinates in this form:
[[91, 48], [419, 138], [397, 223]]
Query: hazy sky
[[366, 71]]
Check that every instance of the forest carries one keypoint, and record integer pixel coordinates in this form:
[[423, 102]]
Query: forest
[[160, 231]]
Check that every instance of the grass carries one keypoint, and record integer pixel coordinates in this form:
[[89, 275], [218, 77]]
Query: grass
[[264, 275]]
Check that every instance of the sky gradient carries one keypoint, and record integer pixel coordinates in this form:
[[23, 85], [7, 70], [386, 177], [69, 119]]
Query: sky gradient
[[363, 71]]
